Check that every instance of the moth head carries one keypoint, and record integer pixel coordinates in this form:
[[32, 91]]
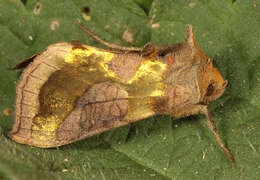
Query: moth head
[[212, 85]]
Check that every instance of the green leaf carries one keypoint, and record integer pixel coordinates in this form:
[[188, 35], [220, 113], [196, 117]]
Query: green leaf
[[158, 147]]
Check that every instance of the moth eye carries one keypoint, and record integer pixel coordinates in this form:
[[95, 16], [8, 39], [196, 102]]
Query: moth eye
[[210, 89]]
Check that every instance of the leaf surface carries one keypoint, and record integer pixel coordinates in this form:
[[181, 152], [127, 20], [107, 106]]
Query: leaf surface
[[159, 147]]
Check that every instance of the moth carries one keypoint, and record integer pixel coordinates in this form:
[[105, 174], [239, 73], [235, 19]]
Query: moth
[[72, 91]]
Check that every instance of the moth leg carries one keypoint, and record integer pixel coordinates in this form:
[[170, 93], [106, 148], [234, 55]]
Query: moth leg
[[203, 109], [146, 50]]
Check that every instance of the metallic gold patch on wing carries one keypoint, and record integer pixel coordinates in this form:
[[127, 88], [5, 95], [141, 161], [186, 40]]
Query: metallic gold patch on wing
[[143, 87], [89, 51], [57, 99], [152, 69], [158, 92], [45, 127], [78, 57], [45, 124], [150, 75]]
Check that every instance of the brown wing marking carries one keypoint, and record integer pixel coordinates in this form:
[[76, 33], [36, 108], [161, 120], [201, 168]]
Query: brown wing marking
[[100, 108], [39, 69]]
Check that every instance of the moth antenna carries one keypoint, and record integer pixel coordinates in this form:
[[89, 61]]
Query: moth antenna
[[109, 45]]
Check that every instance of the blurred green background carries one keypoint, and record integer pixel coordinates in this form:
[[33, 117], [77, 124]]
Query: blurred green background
[[156, 148]]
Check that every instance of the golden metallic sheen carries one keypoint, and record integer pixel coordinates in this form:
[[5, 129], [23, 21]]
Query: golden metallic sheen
[[84, 68]]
